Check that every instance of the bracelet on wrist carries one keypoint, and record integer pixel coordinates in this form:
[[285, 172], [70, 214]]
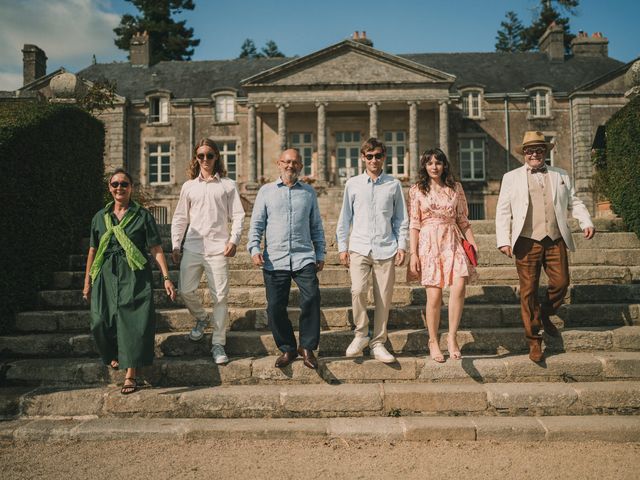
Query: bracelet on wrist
[[165, 277]]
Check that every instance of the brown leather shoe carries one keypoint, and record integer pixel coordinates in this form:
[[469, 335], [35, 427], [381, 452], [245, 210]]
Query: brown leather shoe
[[308, 358], [535, 349], [286, 358], [548, 326]]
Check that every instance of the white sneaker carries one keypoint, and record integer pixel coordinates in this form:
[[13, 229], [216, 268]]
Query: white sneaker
[[356, 346], [381, 354], [197, 332], [219, 356]]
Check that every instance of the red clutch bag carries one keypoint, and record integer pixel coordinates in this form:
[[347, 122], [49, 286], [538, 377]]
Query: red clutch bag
[[470, 251]]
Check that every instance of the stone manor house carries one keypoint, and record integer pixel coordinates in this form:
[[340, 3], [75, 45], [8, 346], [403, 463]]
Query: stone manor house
[[475, 106]]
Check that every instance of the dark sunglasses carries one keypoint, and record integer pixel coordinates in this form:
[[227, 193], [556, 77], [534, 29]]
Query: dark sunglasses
[[370, 156], [538, 150], [120, 184], [210, 156]]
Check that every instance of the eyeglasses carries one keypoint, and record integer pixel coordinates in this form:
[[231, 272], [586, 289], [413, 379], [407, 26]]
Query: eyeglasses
[[370, 156], [119, 184], [538, 150], [210, 156]]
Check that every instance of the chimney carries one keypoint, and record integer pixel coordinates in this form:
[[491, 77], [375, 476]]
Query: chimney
[[552, 43], [590, 46], [362, 38], [356, 36], [34, 63], [140, 50]]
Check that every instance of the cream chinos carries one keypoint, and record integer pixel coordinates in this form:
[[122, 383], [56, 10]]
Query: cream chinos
[[383, 273], [217, 271]]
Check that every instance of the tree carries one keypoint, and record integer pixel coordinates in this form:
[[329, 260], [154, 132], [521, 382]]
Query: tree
[[270, 50], [168, 39], [548, 14], [248, 50], [509, 38]]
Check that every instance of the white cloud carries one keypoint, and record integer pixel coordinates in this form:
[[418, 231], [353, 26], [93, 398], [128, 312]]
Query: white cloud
[[10, 81], [69, 31]]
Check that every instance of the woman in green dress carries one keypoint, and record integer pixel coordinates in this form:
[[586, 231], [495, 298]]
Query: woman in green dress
[[118, 278]]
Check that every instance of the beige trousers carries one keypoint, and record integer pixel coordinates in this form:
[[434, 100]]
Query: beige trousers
[[383, 273]]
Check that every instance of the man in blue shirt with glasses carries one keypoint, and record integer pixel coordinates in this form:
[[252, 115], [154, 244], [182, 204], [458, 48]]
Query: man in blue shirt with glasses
[[286, 212], [374, 209]]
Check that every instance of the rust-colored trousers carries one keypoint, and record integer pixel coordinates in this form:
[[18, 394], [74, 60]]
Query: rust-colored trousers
[[531, 257]]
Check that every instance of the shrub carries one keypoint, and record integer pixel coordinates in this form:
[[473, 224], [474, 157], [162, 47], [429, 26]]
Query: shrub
[[52, 165], [623, 163]]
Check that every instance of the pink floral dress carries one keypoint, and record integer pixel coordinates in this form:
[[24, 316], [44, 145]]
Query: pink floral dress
[[442, 257]]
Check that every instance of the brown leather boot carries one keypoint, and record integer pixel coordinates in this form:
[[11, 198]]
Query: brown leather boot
[[535, 349]]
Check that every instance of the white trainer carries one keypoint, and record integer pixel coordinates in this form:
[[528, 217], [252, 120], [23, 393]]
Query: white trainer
[[197, 332], [357, 346], [219, 355], [381, 354]]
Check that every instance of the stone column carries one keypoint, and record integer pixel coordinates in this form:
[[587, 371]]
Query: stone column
[[251, 147], [282, 125], [444, 127], [582, 165], [414, 156], [373, 119], [322, 142]]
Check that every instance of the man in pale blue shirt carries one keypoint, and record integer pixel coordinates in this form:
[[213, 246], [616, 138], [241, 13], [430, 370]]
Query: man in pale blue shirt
[[375, 210], [286, 212]]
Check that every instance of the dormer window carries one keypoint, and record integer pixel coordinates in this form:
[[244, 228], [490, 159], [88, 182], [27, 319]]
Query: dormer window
[[158, 110], [539, 102], [225, 108], [472, 103]]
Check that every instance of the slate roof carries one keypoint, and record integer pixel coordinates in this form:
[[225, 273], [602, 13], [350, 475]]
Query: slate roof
[[496, 72], [512, 72]]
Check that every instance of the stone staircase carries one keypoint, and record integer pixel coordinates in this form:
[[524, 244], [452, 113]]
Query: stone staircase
[[50, 371]]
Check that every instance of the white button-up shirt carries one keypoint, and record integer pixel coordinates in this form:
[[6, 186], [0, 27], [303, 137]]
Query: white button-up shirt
[[377, 214], [207, 207]]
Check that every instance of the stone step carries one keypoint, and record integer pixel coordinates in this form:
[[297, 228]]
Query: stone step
[[332, 343], [594, 366], [488, 257], [326, 401], [341, 318], [583, 428], [341, 295]]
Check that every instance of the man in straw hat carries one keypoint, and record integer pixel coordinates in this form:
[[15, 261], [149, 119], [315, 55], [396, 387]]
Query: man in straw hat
[[531, 223]]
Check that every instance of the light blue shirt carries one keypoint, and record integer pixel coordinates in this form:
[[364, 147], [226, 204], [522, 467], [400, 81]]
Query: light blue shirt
[[290, 220], [377, 214]]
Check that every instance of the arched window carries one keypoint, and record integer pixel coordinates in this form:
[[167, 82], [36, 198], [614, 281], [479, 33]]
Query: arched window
[[472, 103], [539, 102], [225, 108]]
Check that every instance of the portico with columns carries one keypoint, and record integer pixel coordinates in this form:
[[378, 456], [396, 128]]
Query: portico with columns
[[327, 103]]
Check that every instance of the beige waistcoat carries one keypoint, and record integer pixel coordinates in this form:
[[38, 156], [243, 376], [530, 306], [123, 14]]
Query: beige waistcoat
[[541, 217]]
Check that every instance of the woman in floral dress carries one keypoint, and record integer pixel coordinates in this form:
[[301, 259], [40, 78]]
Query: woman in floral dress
[[438, 220]]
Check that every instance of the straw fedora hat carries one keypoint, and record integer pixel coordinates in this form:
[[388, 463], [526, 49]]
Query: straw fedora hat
[[533, 138]]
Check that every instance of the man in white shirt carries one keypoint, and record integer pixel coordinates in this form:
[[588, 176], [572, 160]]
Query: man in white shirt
[[374, 208], [207, 203], [531, 224]]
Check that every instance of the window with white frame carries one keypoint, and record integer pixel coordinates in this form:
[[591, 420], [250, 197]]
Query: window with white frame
[[229, 155], [471, 103], [159, 163], [225, 108], [539, 103], [548, 159], [158, 110], [347, 155], [396, 143], [303, 142], [471, 151]]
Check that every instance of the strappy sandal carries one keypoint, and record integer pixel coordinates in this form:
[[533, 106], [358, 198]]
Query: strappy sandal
[[129, 389], [114, 364], [437, 357], [454, 353]]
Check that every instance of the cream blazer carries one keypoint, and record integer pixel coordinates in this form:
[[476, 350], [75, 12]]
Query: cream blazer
[[513, 203]]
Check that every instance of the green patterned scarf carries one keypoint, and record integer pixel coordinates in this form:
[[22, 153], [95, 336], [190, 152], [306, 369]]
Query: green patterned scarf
[[135, 258]]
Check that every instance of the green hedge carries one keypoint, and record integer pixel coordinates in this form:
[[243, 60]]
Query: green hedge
[[623, 164], [52, 184]]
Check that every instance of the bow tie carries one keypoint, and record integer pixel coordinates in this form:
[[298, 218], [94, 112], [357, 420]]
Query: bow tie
[[539, 170]]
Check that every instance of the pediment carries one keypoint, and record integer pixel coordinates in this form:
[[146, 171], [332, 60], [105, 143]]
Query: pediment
[[348, 63]]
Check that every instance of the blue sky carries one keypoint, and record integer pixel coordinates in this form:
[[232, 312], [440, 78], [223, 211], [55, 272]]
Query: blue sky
[[72, 31]]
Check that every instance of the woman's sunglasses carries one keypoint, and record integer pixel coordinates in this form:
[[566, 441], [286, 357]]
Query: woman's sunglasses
[[210, 156], [119, 184]]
